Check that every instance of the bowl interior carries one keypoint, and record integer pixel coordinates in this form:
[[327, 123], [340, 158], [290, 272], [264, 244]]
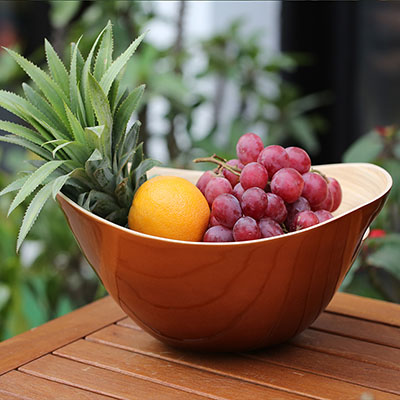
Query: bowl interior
[[361, 182]]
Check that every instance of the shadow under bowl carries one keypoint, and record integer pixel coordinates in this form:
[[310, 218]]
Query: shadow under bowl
[[232, 296]]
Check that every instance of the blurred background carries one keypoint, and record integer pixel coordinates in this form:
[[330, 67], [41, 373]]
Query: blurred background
[[322, 76]]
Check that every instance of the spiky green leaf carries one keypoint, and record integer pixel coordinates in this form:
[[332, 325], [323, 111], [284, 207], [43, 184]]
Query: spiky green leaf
[[34, 180], [102, 110], [49, 88], [104, 55], [41, 104], [13, 186], [57, 68], [118, 64], [85, 79], [41, 152], [76, 127], [125, 112], [33, 211], [58, 183], [93, 135], [21, 131], [138, 176], [76, 102]]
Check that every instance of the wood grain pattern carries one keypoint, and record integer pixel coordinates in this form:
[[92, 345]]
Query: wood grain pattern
[[364, 374], [165, 372], [101, 381], [283, 377], [24, 386], [348, 348], [48, 337], [356, 328], [365, 308]]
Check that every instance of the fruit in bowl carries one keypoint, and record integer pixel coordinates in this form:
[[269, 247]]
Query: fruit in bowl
[[233, 295]]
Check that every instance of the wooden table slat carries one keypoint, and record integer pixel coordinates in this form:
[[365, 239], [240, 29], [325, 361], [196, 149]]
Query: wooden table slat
[[365, 308], [357, 329], [246, 369], [56, 333], [165, 372], [33, 388], [101, 381], [348, 348]]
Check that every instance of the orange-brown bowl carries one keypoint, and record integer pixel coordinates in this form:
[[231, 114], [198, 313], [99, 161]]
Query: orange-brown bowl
[[232, 296]]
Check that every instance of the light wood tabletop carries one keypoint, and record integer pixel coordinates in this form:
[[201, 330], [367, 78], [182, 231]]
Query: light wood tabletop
[[352, 351]]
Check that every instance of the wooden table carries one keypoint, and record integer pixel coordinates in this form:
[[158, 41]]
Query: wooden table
[[351, 352]]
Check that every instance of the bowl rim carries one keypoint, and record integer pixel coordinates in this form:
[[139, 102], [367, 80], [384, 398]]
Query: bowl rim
[[245, 242]]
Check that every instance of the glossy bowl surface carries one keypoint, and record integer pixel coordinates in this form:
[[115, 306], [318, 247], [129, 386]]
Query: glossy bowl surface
[[232, 296]]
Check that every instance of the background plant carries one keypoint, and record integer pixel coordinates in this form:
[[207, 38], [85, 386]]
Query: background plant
[[376, 271]]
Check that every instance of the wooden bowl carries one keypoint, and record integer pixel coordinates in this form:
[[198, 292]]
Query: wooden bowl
[[232, 296]]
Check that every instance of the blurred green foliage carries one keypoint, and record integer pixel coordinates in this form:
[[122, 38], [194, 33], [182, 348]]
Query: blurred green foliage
[[376, 271], [50, 276]]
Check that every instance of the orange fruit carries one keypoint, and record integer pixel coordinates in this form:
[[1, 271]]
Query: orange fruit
[[169, 207]]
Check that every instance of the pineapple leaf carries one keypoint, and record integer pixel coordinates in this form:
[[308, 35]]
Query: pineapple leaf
[[13, 186], [138, 175], [21, 131], [124, 194], [41, 104], [33, 211], [76, 105], [124, 113], [93, 135], [29, 113], [50, 89], [85, 84], [104, 55], [104, 177], [58, 183], [102, 110], [76, 127], [129, 142], [60, 146], [100, 203], [19, 141], [80, 62], [57, 68], [33, 182], [118, 64]]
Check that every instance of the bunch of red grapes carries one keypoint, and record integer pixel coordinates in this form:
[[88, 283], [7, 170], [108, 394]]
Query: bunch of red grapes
[[265, 192]]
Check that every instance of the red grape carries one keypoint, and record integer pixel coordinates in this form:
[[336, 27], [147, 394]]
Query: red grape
[[305, 219], [204, 179], [298, 159], [269, 227], [248, 148], [254, 202], [336, 191], [246, 228], [326, 204], [254, 175], [216, 187], [276, 208], [212, 221], [288, 184], [218, 233], [273, 158], [232, 178], [226, 210], [238, 191], [323, 215], [315, 188], [293, 209]]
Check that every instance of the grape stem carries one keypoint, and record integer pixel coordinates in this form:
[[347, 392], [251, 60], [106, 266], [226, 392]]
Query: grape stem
[[221, 162], [320, 173]]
